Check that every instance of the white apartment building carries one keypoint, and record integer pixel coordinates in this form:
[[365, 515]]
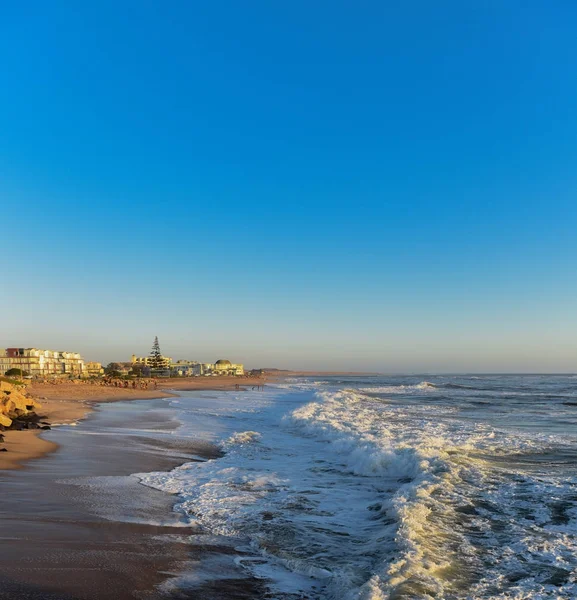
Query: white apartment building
[[42, 363]]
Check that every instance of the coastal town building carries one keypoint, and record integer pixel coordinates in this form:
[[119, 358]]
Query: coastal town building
[[220, 367], [225, 367], [201, 369], [94, 369], [190, 368], [146, 360], [183, 368], [42, 363]]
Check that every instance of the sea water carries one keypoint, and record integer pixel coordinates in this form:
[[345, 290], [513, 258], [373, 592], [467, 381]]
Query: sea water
[[373, 488]]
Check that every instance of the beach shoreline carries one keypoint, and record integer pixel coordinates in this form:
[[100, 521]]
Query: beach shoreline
[[68, 403], [81, 524]]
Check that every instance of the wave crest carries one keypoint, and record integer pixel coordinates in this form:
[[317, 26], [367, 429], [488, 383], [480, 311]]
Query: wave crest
[[243, 437]]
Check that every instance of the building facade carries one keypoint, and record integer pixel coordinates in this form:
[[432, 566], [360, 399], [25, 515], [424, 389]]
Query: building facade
[[225, 367], [145, 360], [202, 369], [183, 368], [220, 367], [42, 363], [94, 369]]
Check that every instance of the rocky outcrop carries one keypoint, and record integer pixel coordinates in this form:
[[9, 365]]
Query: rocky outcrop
[[16, 405]]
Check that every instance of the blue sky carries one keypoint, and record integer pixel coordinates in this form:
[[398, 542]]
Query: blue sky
[[329, 185]]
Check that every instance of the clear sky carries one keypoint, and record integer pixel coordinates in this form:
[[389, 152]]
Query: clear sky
[[369, 185]]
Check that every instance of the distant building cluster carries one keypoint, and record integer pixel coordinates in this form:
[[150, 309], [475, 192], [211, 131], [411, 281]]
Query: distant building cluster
[[191, 368], [37, 363]]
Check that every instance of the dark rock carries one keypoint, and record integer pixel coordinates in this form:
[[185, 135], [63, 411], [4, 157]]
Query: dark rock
[[45, 427], [3, 450], [29, 417]]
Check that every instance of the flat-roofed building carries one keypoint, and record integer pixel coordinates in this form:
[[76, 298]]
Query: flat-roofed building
[[166, 361], [183, 368], [42, 363], [94, 369]]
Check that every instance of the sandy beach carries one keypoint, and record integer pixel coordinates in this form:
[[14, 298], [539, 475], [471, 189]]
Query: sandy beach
[[81, 527], [66, 403], [22, 446]]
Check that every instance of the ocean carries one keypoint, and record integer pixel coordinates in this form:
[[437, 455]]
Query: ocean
[[389, 487]]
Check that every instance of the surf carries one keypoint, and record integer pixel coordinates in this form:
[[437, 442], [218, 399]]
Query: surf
[[351, 498]]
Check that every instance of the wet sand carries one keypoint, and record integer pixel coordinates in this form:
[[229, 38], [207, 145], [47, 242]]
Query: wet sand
[[77, 526], [71, 402], [63, 403], [22, 446]]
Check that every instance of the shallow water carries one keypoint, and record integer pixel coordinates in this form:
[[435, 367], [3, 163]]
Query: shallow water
[[446, 487]]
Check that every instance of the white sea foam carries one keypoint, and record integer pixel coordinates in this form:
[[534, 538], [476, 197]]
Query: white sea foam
[[243, 437], [417, 388], [371, 501]]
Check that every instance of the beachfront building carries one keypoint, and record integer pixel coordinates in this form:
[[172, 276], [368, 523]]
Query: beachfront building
[[183, 368], [220, 367], [200, 369], [225, 367], [146, 360], [42, 363], [94, 369]]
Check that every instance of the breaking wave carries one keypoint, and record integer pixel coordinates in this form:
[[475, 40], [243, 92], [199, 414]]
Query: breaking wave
[[357, 499], [401, 389], [244, 437]]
